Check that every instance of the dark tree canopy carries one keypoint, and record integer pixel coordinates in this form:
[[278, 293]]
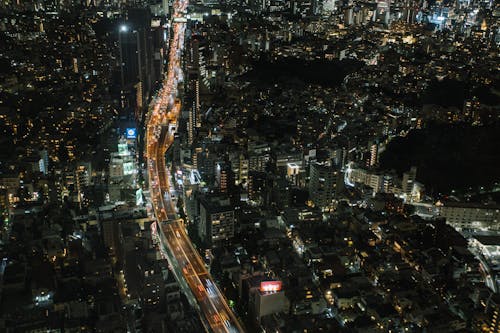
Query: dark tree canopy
[[448, 157]]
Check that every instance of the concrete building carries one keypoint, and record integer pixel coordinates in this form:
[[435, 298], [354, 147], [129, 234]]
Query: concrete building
[[470, 216], [265, 297], [267, 303], [217, 220], [408, 181]]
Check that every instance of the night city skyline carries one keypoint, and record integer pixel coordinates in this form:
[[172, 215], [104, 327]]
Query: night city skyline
[[250, 166]]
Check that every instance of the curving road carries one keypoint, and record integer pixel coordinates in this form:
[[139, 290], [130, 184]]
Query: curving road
[[185, 260]]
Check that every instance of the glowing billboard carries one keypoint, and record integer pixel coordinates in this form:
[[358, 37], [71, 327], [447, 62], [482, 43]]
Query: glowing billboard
[[270, 286], [131, 133]]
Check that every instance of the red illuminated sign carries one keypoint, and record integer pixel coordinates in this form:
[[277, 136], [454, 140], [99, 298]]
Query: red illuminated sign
[[270, 286]]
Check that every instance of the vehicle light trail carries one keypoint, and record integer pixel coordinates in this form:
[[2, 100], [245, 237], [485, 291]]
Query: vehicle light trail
[[184, 259]]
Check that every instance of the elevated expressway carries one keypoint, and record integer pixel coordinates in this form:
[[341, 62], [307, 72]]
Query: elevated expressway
[[175, 244]]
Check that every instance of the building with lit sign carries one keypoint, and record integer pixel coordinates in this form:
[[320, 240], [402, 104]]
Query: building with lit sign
[[265, 297], [122, 168], [131, 133], [270, 286], [268, 299]]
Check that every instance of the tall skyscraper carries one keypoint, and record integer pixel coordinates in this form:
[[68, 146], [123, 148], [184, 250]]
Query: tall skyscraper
[[224, 177], [194, 120], [372, 159], [137, 61], [324, 183]]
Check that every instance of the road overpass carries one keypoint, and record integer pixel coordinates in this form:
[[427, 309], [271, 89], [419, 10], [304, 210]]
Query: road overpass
[[175, 244]]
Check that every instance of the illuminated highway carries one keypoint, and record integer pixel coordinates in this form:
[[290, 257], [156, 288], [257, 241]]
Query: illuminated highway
[[188, 267]]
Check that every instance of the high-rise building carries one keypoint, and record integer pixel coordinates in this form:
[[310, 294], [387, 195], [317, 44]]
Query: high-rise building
[[243, 169], [256, 185], [217, 219], [325, 181], [292, 173], [194, 120], [138, 42], [409, 178], [83, 175], [372, 159], [43, 162], [348, 16], [224, 177], [194, 110]]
